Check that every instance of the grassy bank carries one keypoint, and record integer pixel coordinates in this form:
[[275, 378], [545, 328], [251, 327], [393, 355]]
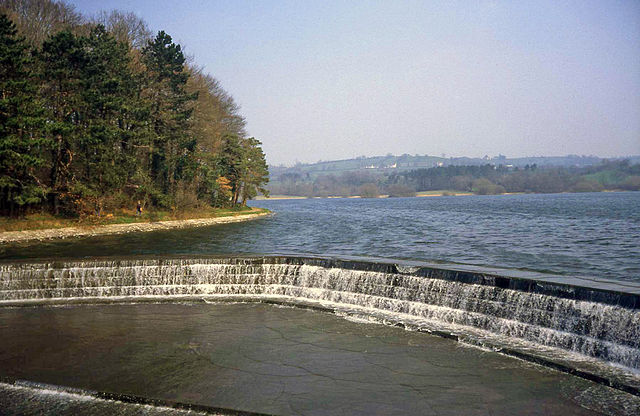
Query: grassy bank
[[41, 221]]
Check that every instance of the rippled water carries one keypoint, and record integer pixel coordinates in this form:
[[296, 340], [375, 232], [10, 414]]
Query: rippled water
[[595, 234]]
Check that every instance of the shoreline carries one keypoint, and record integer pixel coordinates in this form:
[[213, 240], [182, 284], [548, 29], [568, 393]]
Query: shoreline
[[383, 196], [27, 236], [423, 194]]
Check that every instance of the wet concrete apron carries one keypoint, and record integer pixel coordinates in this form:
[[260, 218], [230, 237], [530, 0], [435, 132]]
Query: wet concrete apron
[[279, 360]]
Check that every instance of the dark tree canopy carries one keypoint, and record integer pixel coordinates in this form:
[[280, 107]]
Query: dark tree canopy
[[21, 124], [92, 120]]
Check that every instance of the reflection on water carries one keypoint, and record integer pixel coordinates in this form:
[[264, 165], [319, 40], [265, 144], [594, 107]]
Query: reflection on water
[[595, 234]]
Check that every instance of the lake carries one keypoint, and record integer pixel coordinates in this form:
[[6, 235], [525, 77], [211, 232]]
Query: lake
[[589, 235]]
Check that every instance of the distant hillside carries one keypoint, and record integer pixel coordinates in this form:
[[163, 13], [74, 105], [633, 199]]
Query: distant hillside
[[405, 175], [406, 162]]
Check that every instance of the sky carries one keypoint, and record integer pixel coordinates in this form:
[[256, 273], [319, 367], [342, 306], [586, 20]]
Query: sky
[[326, 80]]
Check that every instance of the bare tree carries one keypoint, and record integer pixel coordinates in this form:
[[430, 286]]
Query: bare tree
[[126, 27], [215, 113], [38, 19]]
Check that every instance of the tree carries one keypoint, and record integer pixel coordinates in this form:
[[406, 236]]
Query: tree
[[39, 19], [61, 59], [172, 147], [256, 174], [586, 185], [369, 190], [243, 164], [104, 158], [125, 27], [101, 123], [21, 121], [232, 164], [631, 183], [397, 191], [215, 114], [484, 186]]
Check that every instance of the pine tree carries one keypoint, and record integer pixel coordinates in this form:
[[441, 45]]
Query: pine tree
[[20, 124], [89, 120], [61, 60], [232, 164], [171, 108], [256, 174], [104, 157]]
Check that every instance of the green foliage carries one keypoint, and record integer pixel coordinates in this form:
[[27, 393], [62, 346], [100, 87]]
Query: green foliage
[[103, 158], [93, 123], [243, 163], [486, 179], [609, 177], [484, 186], [172, 146], [21, 123], [60, 60], [256, 173], [490, 179]]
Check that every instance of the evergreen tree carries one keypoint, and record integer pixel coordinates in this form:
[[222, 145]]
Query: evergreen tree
[[61, 60], [232, 164], [105, 159], [256, 174], [243, 163], [172, 147], [103, 123], [20, 122]]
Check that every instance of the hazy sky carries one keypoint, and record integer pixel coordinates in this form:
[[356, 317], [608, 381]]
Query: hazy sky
[[336, 79]]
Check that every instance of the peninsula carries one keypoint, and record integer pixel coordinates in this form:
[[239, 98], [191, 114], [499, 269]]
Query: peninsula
[[89, 230]]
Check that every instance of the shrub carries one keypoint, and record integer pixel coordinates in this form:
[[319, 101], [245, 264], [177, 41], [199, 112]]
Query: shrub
[[398, 191], [631, 183], [484, 186], [369, 190], [585, 185]]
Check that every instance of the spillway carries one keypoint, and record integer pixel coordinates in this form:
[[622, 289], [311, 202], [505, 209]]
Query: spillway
[[590, 330]]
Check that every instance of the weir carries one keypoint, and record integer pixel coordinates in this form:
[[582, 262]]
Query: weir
[[592, 330]]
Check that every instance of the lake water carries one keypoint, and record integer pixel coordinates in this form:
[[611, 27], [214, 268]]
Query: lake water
[[590, 235]]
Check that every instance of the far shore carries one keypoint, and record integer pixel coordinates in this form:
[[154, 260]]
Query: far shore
[[418, 194], [26, 236]]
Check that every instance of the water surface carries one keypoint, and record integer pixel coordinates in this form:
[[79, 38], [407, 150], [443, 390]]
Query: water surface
[[590, 235]]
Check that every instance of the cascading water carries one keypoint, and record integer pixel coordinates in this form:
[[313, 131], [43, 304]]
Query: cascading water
[[546, 318]]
